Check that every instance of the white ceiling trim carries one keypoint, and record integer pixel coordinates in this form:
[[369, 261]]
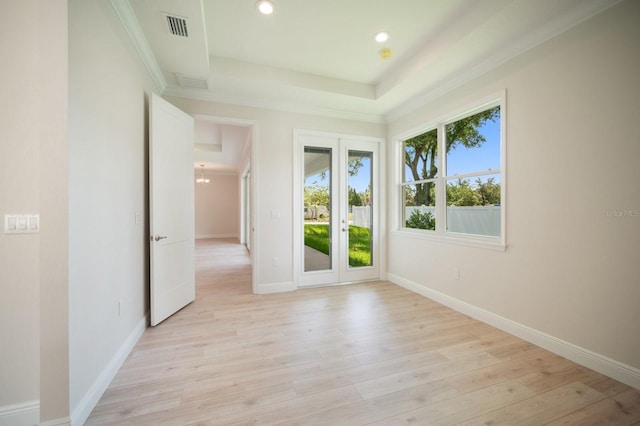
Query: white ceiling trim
[[554, 28], [251, 71], [335, 87], [292, 107], [128, 18]]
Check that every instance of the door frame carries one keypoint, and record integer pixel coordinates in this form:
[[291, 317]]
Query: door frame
[[298, 197], [252, 171]]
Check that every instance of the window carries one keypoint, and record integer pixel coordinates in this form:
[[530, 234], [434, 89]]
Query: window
[[452, 180]]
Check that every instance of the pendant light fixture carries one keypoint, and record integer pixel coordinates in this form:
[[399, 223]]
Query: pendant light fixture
[[202, 179]]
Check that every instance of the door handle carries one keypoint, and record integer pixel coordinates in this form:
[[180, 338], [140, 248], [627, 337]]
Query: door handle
[[159, 237]]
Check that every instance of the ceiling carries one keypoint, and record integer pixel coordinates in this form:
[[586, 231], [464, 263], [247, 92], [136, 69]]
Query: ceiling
[[220, 146], [320, 57]]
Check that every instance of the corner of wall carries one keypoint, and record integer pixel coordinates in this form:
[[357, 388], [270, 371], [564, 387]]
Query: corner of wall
[[81, 412], [597, 362]]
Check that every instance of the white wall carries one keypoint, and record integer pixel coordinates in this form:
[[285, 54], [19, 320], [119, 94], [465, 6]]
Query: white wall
[[19, 160], [217, 206], [33, 119], [572, 152], [108, 254], [54, 196], [272, 174], [570, 271]]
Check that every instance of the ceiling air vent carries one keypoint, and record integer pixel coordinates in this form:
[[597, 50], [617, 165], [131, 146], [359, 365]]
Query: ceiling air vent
[[177, 25], [192, 82]]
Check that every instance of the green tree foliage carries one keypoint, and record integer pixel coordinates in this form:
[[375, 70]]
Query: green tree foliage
[[355, 199], [420, 156], [488, 192], [316, 195], [354, 166], [421, 151], [462, 194], [421, 220]]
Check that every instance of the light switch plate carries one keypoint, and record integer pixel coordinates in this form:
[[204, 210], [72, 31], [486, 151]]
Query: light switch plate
[[21, 223]]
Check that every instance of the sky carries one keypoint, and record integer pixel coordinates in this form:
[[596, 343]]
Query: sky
[[487, 156], [459, 160], [360, 181]]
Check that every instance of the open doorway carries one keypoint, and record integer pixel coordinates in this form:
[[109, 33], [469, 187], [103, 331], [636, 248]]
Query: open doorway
[[223, 150]]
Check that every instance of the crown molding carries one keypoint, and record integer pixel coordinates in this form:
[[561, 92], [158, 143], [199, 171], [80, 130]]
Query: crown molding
[[585, 11], [132, 26], [271, 104]]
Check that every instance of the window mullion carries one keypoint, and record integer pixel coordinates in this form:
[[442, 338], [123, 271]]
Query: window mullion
[[441, 208], [474, 174]]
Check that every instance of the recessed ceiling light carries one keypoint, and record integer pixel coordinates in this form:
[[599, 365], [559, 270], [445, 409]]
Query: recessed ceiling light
[[382, 36], [265, 7]]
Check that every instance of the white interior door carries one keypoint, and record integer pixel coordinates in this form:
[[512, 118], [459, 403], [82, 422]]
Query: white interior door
[[337, 205], [171, 209]]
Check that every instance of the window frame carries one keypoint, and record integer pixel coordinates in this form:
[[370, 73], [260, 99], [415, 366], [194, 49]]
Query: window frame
[[440, 233]]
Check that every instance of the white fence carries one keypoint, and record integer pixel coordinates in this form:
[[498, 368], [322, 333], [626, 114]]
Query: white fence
[[361, 216], [479, 220]]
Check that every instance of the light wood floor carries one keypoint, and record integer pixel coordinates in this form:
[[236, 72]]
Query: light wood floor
[[350, 355]]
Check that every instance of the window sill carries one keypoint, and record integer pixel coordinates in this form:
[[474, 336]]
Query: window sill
[[490, 243]]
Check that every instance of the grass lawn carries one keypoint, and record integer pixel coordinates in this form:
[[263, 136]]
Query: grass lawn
[[317, 237]]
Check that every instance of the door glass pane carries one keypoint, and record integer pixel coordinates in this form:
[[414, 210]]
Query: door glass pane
[[317, 209], [360, 202]]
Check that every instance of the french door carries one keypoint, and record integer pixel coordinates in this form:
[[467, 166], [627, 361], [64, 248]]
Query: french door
[[337, 238]]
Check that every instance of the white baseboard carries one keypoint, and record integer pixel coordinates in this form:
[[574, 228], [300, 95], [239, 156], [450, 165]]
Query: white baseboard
[[82, 411], [275, 288], [204, 236], [23, 414], [57, 422], [600, 363]]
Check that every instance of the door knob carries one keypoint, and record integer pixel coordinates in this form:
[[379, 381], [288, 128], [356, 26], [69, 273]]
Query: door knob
[[159, 237]]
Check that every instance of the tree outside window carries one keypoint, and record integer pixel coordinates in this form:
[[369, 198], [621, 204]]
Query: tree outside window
[[459, 191]]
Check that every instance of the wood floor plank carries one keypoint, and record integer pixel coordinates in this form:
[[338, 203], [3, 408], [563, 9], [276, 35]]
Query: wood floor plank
[[490, 375], [292, 410], [541, 408], [391, 383], [622, 409], [461, 408], [370, 353]]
